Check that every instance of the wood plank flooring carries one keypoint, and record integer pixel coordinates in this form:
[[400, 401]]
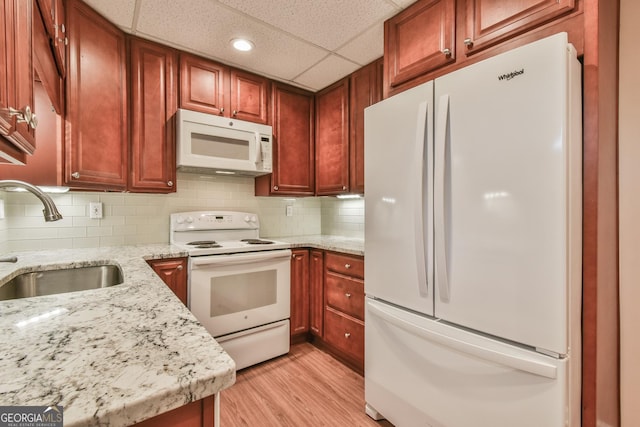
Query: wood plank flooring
[[306, 387]]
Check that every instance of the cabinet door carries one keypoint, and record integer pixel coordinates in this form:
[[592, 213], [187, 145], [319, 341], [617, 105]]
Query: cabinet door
[[200, 413], [419, 39], [299, 291], [249, 94], [96, 141], [203, 84], [332, 139], [366, 89], [293, 155], [173, 271], [154, 69], [16, 80], [316, 293], [491, 21], [52, 12]]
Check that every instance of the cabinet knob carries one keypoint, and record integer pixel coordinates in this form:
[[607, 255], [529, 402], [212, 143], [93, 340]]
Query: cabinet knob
[[235, 112], [222, 110], [75, 175], [170, 183], [344, 187], [348, 295], [275, 188], [347, 334], [294, 256], [347, 266], [179, 268], [447, 52], [468, 42]]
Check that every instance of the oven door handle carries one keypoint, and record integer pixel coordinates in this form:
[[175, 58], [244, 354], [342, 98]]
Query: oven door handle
[[235, 259]]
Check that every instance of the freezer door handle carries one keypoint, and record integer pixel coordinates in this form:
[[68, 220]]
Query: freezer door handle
[[521, 363], [421, 141], [440, 230]]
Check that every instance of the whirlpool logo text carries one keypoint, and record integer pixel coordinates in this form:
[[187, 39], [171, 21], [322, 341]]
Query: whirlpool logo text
[[510, 75]]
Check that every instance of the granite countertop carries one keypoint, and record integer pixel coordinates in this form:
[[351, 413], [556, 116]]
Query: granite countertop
[[111, 356], [348, 245]]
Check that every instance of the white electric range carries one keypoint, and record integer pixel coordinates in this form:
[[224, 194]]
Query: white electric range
[[239, 284]]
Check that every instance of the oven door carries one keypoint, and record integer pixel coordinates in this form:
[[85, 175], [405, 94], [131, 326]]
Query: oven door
[[231, 293]]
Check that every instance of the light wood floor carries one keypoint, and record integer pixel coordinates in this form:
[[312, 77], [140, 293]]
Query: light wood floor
[[307, 387]]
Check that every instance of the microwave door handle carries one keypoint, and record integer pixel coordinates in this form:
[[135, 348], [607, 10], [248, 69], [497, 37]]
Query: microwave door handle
[[257, 154]]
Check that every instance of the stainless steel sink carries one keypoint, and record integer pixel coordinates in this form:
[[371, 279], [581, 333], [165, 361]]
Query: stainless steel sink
[[49, 282]]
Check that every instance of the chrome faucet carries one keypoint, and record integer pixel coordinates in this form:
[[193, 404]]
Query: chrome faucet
[[50, 211]]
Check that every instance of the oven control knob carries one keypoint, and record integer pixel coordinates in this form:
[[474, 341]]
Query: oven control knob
[[247, 218], [180, 220], [189, 219], [253, 218]]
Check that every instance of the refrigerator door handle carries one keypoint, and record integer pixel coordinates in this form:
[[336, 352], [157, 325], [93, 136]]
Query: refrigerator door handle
[[527, 365], [419, 239], [440, 225]]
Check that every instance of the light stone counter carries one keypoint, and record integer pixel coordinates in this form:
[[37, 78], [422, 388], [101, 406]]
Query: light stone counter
[[348, 245], [111, 356]]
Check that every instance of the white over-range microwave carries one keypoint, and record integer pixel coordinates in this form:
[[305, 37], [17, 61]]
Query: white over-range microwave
[[215, 144]]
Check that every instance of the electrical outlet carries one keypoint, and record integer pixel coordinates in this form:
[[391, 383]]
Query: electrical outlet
[[289, 210], [95, 210]]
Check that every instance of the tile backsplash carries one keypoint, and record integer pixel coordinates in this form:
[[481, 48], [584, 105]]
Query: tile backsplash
[[130, 219]]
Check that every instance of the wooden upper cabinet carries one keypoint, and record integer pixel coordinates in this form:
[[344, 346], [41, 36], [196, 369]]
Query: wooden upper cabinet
[[96, 109], [248, 98], [491, 21], [332, 139], [154, 73], [203, 84], [293, 155], [366, 90], [213, 88], [17, 135], [419, 39], [53, 16], [299, 292]]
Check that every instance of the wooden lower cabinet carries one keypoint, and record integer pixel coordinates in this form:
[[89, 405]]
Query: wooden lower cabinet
[[173, 271], [299, 316], [316, 293], [346, 334], [344, 307], [200, 413]]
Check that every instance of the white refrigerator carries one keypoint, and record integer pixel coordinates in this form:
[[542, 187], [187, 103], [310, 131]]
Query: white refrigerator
[[473, 245]]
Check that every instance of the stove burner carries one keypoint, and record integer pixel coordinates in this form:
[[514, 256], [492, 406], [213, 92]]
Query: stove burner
[[257, 241], [208, 245], [203, 242]]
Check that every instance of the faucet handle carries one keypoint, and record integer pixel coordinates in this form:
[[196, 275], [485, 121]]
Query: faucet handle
[[9, 258]]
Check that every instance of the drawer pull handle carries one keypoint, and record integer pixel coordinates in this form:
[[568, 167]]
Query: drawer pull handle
[[347, 266], [179, 268], [347, 334], [348, 295]]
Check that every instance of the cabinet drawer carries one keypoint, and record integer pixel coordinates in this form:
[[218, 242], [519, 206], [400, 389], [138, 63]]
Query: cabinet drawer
[[345, 294], [344, 333], [345, 264]]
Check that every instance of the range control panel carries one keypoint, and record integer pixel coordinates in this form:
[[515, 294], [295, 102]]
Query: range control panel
[[214, 220]]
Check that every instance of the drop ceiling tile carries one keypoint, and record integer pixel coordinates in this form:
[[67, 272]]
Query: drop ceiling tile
[[206, 27], [119, 12], [365, 48], [327, 23], [327, 71]]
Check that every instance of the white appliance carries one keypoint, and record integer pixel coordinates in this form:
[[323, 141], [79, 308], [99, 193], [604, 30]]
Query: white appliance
[[215, 144], [473, 245], [239, 284]]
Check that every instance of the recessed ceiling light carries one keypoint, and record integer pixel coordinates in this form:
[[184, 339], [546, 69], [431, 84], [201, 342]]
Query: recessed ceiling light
[[242, 45]]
